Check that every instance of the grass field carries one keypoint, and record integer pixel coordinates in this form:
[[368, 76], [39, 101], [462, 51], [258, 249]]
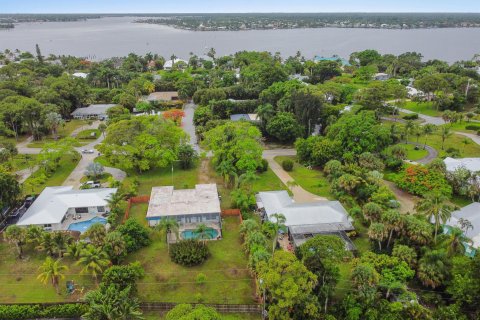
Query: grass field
[[311, 180], [63, 132], [23, 161], [66, 165], [426, 108], [228, 280], [18, 278], [86, 135], [413, 154]]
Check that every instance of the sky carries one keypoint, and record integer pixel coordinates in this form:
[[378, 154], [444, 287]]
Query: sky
[[187, 6]]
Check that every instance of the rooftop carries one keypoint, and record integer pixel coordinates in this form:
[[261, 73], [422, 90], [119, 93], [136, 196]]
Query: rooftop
[[165, 201], [471, 164], [163, 96], [472, 214], [93, 109], [52, 204], [329, 215], [244, 116]]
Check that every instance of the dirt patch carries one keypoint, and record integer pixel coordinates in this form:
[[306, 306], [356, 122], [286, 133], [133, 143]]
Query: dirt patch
[[407, 201], [204, 172]]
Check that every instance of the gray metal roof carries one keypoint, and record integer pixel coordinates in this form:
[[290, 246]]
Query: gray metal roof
[[472, 214], [93, 109], [330, 214]]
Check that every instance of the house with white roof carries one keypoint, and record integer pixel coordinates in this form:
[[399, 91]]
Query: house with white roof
[[93, 111], [82, 75], [189, 207], [251, 117], [468, 220], [168, 65], [471, 164], [381, 76], [63, 208], [305, 220]]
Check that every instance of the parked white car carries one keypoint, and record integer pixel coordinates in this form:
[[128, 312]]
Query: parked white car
[[92, 184], [90, 151]]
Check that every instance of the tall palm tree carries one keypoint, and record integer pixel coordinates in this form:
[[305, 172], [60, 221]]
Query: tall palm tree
[[16, 236], [409, 125], [444, 133], [168, 225], [254, 239], [96, 233], [202, 232], [455, 241], [428, 129], [74, 249], [248, 226], [378, 232], [435, 206], [394, 222], [34, 234], [61, 240], [465, 141], [348, 182], [46, 244], [278, 220], [94, 261], [52, 271]]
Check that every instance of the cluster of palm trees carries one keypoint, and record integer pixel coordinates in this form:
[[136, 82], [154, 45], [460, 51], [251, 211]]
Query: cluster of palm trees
[[97, 250], [257, 237]]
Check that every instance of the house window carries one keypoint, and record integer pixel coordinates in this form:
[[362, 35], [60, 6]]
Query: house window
[[81, 210], [101, 209], [47, 225]]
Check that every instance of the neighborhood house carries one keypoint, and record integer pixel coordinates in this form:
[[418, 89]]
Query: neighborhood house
[[163, 96], [251, 117], [471, 164], [467, 219], [189, 207], [306, 220], [63, 208], [93, 111]]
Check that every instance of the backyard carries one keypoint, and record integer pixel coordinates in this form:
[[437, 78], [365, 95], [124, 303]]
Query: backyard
[[228, 279]]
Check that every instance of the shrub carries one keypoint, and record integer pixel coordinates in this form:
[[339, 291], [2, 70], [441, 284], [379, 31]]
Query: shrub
[[70, 310], [420, 180], [287, 165], [135, 235], [263, 167], [189, 252], [201, 279], [123, 276], [411, 116], [474, 127]]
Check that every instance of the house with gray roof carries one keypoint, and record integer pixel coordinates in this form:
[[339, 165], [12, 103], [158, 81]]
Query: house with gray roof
[[468, 220], [305, 220], [250, 117], [93, 111]]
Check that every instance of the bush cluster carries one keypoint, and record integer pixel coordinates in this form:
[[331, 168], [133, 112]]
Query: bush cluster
[[287, 165], [263, 167], [189, 252], [411, 116], [474, 127], [35, 311]]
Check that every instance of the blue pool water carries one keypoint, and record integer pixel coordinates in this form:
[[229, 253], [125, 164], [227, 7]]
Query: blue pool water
[[84, 225], [191, 234]]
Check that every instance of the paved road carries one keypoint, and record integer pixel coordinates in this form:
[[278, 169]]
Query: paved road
[[299, 194], [432, 154], [188, 126], [428, 119], [472, 136]]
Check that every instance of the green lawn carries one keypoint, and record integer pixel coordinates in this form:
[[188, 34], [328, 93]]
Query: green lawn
[[228, 280], [18, 278], [311, 180], [66, 166], [426, 108], [86, 135], [413, 154], [460, 126], [23, 161], [63, 132]]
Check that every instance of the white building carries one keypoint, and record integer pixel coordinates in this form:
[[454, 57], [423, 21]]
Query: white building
[[381, 76], [470, 215], [189, 207], [168, 65], [471, 164], [93, 111], [82, 75], [63, 208]]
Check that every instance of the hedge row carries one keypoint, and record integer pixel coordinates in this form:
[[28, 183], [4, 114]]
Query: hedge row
[[474, 127], [35, 311]]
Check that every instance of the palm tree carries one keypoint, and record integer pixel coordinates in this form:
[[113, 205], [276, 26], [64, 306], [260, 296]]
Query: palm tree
[[428, 129], [372, 211], [96, 233], [115, 246], [433, 269], [94, 261], [434, 205], [417, 131], [348, 182], [248, 226], [34, 234], [46, 244], [74, 249], [409, 125], [114, 200], [168, 225], [61, 240], [393, 221], [52, 271], [227, 171], [52, 121], [253, 240], [278, 220], [417, 230], [377, 232], [445, 133], [16, 236], [455, 241], [202, 232]]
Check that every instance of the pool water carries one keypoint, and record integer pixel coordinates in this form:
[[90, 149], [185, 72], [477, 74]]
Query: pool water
[[191, 234], [84, 225]]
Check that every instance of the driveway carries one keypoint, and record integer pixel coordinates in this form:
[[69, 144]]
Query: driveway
[[432, 154], [472, 136], [299, 194], [428, 119], [188, 126]]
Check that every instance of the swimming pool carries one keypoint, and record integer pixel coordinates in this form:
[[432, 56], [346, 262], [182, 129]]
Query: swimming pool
[[84, 225], [191, 234]]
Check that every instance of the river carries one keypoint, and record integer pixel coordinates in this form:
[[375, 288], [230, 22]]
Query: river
[[109, 37]]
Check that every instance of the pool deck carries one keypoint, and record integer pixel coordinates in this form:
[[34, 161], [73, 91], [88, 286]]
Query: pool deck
[[172, 237], [83, 217]]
